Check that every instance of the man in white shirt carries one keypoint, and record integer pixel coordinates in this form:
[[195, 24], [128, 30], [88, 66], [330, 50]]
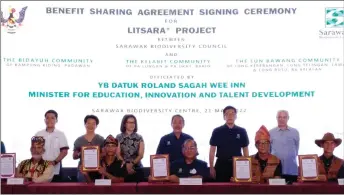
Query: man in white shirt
[[56, 145]]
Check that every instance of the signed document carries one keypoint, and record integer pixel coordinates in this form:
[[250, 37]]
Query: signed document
[[90, 158], [8, 165], [159, 167], [242, 169], [309, 168]]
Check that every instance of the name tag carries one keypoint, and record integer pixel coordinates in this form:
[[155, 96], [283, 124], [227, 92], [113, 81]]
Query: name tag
[[15, 181], [277, 182], [102, 182], [190, 181], [340, 182]]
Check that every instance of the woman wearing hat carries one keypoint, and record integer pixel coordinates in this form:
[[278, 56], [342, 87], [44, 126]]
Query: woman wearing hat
[[111, 167], [329, 165]]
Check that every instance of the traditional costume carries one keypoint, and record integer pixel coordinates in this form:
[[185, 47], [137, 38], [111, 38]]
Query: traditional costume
[[268, 168], [332, 167], [41, 171], [116, 168]]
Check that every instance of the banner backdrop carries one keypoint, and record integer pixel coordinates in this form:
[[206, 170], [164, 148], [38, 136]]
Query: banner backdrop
[[157, 59]]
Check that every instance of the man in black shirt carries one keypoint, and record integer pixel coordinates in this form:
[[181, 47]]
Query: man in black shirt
[[171, 144], [227, 141], [111, 167], [189, 166]]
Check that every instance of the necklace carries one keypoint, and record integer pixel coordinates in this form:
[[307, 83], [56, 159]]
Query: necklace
[[33, 169]]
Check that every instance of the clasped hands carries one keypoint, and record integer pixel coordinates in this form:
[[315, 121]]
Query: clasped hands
[[255, 179], [101, 171], [320, 178], [26, 179]]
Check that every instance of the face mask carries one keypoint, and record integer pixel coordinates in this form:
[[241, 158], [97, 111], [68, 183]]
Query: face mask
[[36, 156]]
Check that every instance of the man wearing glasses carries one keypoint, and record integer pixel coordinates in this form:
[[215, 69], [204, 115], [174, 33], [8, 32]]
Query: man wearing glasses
[[264, 164], [285, 142], [190, 166], [227, 141]]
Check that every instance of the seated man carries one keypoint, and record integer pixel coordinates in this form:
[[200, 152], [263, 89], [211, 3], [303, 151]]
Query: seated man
[[36, 169], [329, 165], [111, 167], [189, 166], [264, 164]]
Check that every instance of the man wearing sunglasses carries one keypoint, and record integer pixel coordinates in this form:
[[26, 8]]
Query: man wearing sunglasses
[[190, 166], [36, 169]]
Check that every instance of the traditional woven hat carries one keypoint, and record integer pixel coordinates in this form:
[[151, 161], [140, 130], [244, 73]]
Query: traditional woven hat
[[110, 140], [262, 134], [37, 140]]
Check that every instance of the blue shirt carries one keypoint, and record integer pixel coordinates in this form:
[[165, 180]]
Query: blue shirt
[[285, 145], [229, 141], [3, 149], [169, 144], [183, 170]]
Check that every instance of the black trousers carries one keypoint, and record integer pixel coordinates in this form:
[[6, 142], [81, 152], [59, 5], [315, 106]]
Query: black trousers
[[224, 170], [138, 176], [57, 178], [289, 179]]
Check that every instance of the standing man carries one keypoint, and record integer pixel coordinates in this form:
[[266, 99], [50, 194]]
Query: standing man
[[3, 149], [172, 143], [227, 141], [56, 145], [285, 142], [89, 138]]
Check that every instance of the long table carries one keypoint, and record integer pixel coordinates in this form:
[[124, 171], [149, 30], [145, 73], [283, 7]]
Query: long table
[[235, 188], [168, 188]]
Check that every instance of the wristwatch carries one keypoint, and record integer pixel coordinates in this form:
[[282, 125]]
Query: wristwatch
[[55, 162]]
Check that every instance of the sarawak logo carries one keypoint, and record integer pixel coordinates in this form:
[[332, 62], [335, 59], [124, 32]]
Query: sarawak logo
[[334, 17], [14, 20]]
